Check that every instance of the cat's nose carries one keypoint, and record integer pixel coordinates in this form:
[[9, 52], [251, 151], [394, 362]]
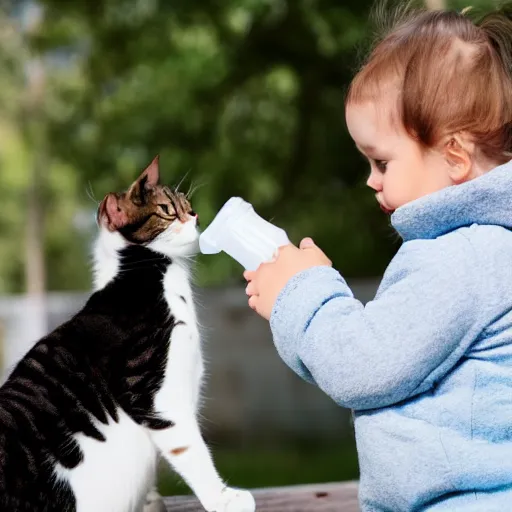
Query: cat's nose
[[195, 216]]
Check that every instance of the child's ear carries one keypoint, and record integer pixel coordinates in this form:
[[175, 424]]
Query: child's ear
[[458, 153]]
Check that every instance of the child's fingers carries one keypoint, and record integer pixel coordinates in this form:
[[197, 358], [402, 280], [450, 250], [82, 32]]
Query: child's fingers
[[306, 243], [249, 275], [253, 301], [251, 288]]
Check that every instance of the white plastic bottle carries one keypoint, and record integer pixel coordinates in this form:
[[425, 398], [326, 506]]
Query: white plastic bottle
[[240, 232]]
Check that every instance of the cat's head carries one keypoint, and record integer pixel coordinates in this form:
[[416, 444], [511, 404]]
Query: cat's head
[[149, 214]]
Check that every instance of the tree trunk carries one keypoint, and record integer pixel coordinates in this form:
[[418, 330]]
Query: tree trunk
[[35, 268]]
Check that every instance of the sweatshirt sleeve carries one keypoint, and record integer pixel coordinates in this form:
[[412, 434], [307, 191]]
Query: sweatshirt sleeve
[[425, 316]]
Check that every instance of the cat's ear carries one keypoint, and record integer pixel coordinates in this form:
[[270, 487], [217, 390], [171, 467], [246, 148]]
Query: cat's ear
[[147, 180], [116, 216]]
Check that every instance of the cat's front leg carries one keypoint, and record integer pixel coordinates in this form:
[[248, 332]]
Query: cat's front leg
[[183, 447], [154, 502]]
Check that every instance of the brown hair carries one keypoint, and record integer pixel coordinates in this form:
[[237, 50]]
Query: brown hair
[[448, 74]]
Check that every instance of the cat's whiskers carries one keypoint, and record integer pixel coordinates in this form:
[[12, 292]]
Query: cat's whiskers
[[90, 193], [177, 187], [193, 189]]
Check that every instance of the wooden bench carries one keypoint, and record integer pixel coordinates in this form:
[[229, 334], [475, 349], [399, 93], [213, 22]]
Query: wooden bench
[[333, 497]]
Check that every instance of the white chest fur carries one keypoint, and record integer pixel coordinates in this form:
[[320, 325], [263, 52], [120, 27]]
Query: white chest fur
[[181, 387]]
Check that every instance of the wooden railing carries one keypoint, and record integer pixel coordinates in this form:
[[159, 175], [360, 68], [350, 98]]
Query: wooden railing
[[334, 497]]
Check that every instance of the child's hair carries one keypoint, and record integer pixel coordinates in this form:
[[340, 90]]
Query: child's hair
[[448, 74]]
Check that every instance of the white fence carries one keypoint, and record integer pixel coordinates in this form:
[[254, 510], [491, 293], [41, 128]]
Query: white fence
[[250, 392]]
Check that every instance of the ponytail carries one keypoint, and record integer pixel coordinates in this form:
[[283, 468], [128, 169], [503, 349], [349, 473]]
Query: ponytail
[[497, 26]]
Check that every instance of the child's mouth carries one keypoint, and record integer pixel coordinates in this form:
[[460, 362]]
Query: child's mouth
[[387, 211]]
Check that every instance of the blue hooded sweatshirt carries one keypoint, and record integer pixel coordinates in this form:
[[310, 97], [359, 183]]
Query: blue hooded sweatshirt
[[427, 365]]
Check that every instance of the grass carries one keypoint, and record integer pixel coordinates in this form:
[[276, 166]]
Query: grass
[[288, 464]]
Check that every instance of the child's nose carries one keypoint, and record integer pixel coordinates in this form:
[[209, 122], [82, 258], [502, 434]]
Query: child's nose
[[374, 181]]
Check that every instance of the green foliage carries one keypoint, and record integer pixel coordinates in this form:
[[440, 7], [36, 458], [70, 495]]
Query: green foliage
[[243, 97], [246, 97]]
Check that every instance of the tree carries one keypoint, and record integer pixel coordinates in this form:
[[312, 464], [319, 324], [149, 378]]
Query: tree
[[33, 187], [244, 97]]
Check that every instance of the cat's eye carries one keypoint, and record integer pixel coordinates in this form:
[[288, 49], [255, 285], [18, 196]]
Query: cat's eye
[[164, 208]]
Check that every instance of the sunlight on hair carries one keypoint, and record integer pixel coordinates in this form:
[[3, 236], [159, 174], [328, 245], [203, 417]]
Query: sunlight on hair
[[449, 72]]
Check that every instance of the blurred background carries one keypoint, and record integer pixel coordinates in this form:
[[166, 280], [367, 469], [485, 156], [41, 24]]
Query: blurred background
[[238, 97]]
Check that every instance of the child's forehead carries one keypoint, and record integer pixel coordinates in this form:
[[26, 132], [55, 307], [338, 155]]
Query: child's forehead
[[373, 119]]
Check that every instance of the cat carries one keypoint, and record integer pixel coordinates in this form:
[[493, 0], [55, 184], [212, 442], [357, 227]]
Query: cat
[[88, 411]]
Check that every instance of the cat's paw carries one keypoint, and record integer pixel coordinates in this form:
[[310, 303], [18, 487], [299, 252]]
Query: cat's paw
[[154, 503], [234, 500]]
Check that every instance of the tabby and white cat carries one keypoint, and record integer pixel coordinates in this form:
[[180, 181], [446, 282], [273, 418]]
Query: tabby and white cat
[[86, 413]]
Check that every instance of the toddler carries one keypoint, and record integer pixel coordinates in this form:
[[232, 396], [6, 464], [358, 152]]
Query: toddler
[[427, 365]]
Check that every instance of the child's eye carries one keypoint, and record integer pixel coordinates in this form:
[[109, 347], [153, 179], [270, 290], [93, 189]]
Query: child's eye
[[381, 165]]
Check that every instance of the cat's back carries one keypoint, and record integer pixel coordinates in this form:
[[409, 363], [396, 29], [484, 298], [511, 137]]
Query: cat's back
[[64, 439]]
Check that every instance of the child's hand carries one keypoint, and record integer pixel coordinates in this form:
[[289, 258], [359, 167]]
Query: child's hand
[[270, 278]]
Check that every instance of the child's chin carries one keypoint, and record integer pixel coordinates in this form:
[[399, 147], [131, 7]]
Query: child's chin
[[387, 211]]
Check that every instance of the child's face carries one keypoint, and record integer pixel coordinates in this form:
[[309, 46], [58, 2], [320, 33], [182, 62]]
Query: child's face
[[400, 169]]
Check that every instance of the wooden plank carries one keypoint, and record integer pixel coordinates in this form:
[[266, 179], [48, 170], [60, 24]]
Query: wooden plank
[[332, 497]]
